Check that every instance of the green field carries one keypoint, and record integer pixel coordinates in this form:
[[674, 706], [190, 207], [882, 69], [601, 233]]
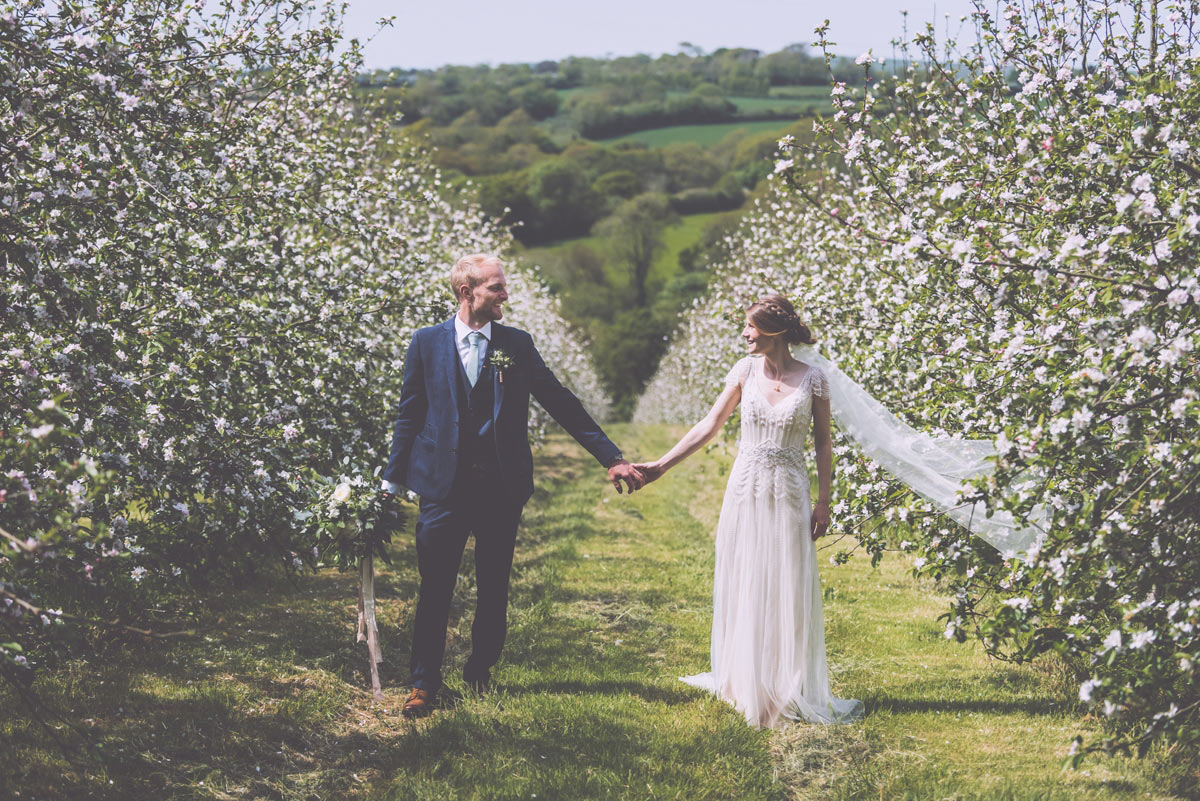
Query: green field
[[542, 253], [566, 94], [796, 106], [802, 103], [708, 134], [611, 601], [676, 238], [801, 92], [797, 100]]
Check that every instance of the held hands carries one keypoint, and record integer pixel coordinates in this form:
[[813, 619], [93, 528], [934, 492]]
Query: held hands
[[624, 471], [651, 471], [820, 519]]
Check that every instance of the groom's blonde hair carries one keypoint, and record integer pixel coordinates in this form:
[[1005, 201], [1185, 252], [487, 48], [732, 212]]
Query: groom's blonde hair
[[466, 272]]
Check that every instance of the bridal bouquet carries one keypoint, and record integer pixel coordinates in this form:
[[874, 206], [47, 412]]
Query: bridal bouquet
[[352, 523], [349, 518]]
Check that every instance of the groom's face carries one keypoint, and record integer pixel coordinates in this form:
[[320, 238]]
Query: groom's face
[[488, 295]]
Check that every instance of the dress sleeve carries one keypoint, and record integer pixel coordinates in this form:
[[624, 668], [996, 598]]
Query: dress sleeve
[[737, 375], [820, 383]]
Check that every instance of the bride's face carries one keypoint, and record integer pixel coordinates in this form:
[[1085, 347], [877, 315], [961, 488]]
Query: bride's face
[[756, 342]]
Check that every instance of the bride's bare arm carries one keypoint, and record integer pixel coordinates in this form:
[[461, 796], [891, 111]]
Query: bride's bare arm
[[824, 447], [699, 434]]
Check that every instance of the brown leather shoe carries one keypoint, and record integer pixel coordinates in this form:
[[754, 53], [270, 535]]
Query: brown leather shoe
[[420, 703]]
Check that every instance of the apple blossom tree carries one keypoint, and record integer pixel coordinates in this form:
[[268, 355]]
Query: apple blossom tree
[[212, 262], [1001, 242]]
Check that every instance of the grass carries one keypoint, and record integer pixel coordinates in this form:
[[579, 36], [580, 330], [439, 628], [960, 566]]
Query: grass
[[803, 101], [706, 135], [800, 92], [611, 602], [798, 105], [676, 238]]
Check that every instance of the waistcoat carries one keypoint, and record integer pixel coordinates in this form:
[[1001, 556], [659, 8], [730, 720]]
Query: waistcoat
[[477, 430]]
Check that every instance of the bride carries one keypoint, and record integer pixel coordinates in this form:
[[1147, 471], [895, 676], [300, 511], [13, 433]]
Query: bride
[[768, 634]]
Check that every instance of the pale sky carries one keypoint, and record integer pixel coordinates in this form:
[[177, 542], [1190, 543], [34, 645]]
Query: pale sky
[[430, 34]]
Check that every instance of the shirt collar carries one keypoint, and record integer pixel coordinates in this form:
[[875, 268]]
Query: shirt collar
[[461, 329]]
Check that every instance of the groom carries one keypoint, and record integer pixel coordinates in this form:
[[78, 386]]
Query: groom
[[461, 443]]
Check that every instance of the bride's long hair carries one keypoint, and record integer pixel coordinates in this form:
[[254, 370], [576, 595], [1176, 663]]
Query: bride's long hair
[[774, 315]]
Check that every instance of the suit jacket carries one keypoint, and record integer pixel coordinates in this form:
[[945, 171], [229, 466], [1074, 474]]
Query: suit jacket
[[425, 438]]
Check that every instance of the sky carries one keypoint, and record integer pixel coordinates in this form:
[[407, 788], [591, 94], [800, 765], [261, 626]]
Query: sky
[[428, 34]]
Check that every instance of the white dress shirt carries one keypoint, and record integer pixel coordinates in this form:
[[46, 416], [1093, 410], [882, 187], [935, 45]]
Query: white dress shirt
[[461, 333]]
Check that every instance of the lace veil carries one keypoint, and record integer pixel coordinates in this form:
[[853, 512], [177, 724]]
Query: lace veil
[[933, 467]]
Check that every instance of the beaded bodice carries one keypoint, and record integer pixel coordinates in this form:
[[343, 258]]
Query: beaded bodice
[[771, 447]]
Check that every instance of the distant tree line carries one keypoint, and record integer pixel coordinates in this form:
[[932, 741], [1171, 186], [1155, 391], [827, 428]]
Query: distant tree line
[[445, 94], [563, 195], [598, 120]]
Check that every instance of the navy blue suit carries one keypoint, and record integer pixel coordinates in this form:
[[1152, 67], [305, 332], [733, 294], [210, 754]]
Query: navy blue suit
[[465, 451]]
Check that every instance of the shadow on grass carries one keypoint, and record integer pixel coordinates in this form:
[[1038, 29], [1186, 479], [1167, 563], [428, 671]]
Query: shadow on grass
[[883, 703], [270, 698], [264, 686], [623, 689], [499, 757]]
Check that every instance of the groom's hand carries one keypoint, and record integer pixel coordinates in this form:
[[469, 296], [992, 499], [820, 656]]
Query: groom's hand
[[389, 511], [650, 471], [622, 470]]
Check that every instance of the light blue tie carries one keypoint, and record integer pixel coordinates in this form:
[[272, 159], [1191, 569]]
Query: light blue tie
[[473, 338]]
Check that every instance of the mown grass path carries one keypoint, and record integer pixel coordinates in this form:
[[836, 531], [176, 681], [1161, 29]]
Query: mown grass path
[[611, 602]]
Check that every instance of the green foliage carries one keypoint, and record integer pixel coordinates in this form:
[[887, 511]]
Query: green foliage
[[505, 197], [726, 195], [537, 100], [597, 119], [626, 353], [472, 148], [634, 235], [792, 66], [690, 166], [562, 199], [595, 283], [46, 494], [598, 159], [712, 247], [618, 183], [703, 134], [782, 106], [743, 79]]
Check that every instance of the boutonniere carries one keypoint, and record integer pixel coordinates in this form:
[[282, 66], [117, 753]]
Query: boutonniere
[[501, 361]]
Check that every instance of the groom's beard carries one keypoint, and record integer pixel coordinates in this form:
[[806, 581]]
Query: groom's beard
[[492, 312]]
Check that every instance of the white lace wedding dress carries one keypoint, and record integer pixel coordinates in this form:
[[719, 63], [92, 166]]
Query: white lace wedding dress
[[768, 634]]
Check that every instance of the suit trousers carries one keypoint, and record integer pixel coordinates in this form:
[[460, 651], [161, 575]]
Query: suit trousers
[[478, 506]]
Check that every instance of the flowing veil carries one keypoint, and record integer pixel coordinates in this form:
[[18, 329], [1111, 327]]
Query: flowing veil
[[933, 467]]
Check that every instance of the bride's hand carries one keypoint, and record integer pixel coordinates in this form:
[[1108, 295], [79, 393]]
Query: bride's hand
[[820, 519], [650, 470]]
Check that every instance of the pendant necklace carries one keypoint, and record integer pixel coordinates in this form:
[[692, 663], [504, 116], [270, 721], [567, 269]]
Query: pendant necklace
[[776, 380]]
